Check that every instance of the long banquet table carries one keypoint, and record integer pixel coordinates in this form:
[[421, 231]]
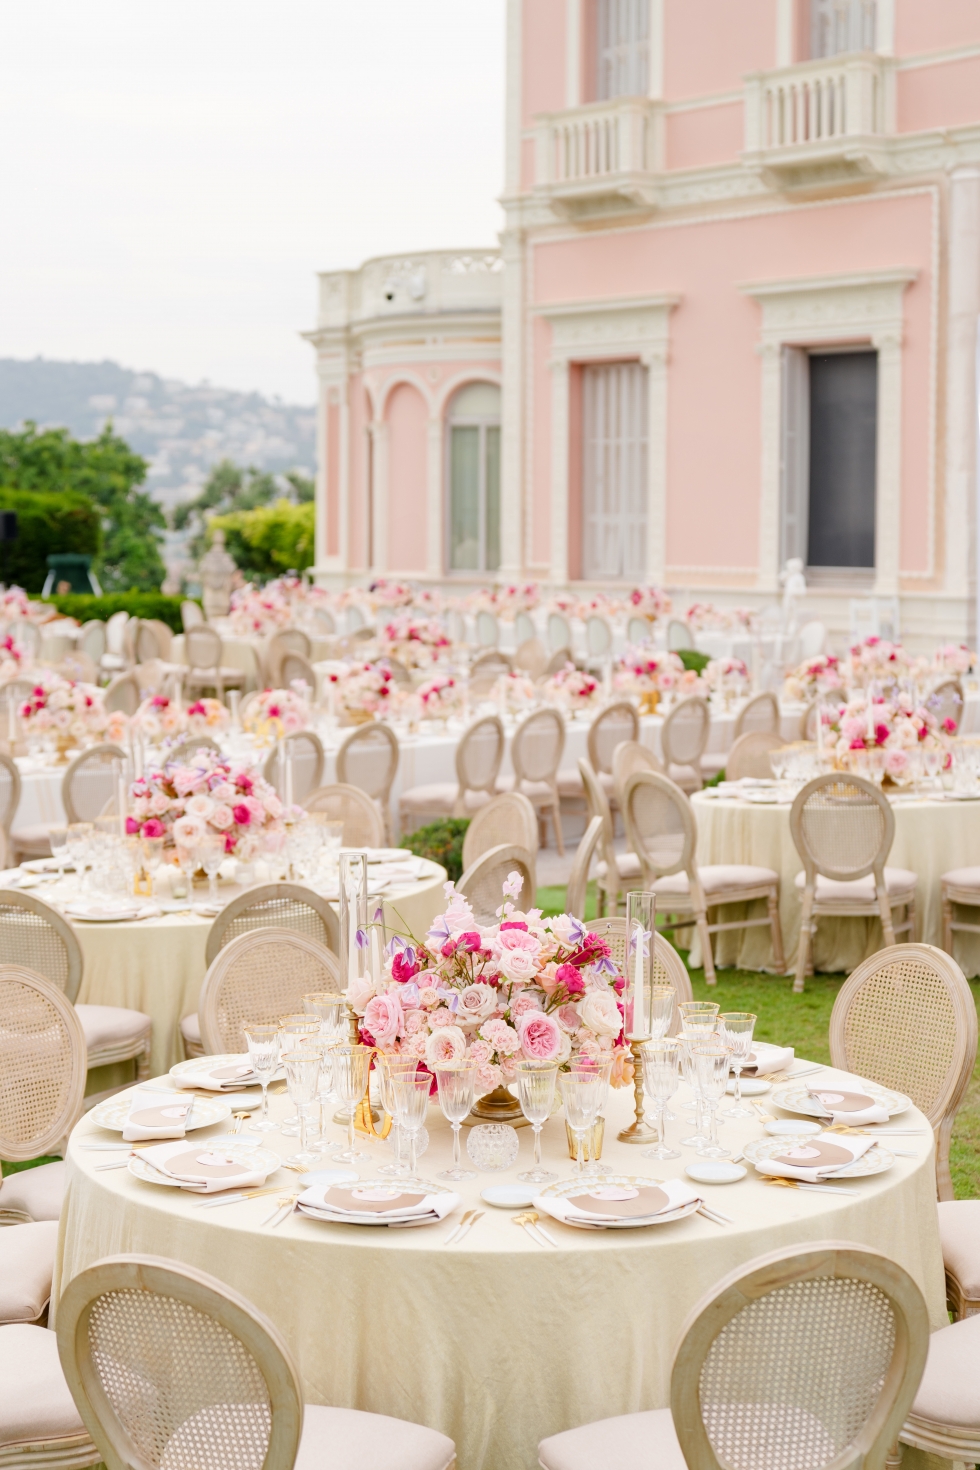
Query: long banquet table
[[496, 1342]]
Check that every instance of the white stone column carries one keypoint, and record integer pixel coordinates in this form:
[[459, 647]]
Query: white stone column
[[769, 507], [379, 496], [888, 502], [963, 311], [344, 487], [560, 377], [656, 555], [320, 482], [512, 499], [435, 498]]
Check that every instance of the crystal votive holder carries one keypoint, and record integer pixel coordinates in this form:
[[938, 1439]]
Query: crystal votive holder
[[492, 1146], [591, 1143]]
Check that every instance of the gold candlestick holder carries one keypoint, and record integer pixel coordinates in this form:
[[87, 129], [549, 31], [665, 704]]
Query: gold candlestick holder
[[638, 1131]]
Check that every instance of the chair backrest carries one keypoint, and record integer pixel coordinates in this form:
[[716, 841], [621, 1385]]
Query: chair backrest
[[305, 749], [630, 756], [115, 632], [170, 1367], [801, 1360], [537, 746], [91, 639], [260, 976], [578, 878], [483, 884], [598, 636], [34, 935], [559, 632], [355, 618], [946, 702], [43, 1064], [190, 614], [181, 754], [524, 629], [275, 906], [611, 726], [487, 669], [399, 673], [843, 827], [749, 755], [479, 754], [362, 819], [596, 800], [10, 788], [164, 635], [685, 732], [558, 661], [810, 721], [368, 757], [678, 635], [761, 712], [507, 818], [639, 630], [147, 643], [906, 1019], [292, 638], [668, 967], [202, 647], [123, 693], [91, 782], [293, 667], [660, 824], [324, 622], [812, 638], [487, 629], [531, 657], [57, 646]]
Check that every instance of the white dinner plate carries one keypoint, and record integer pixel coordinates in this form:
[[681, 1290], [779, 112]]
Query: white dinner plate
[[875, 1161], [574, 1186], [792, 1128], [327, 1176], [510, 1196], [715, 1171], [797, 1099], [114, 1111], [249, 1158], [751, 1086], [97, 915]]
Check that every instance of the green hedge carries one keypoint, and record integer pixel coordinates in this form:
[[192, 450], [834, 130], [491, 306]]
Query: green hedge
[[270, 539], [441, 842], [137, 604], [66, 521]]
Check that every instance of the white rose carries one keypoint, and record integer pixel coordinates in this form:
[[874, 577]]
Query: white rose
[[476, 1003], [518, 964], [359, 991], [445, 1044], [200, 806], [561, 926], [599, 1012]]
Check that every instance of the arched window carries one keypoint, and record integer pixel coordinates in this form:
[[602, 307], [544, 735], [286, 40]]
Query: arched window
[[474, 479]]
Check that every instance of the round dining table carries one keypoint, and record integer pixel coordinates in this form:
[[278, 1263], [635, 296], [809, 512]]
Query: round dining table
[[497, 1340], [933, 835]]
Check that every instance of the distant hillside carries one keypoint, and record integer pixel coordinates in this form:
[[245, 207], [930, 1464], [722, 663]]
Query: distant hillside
[[181, 429]]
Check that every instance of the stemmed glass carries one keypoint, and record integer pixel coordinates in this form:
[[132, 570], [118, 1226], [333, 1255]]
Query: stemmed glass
[[187, 863], [296, 1033], [660, 1061], [210, 852], [581, 1092], [736, 1030], [351, 1073], [457, 1088], [79, 834], [331, 1010], [58, 837], [698, 1018], [411, 1092], [263, 1053], [604, 1070], [536, 1094], [302, 1079], [152, 858], [388, 1067], [712, 1062], [662, 998]]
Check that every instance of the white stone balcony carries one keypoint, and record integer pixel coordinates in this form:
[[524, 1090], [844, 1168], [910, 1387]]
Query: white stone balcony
[[820, 120], [600, 158], [429, 283]]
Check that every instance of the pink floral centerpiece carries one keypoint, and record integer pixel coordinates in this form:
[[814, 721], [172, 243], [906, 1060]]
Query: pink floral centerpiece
[[73, 713], [648, 602], [14, 603], [706, 615], [815, 676], [182, 803], [418, 642], [162, 719], [505, 601], [572, 688], [277, 712], [876, 658], [259, 612], [515, 693], [954, 659], [439, 697], [526, 987], [599, 605], [383, 593], [360, 691], [726, 676], [895, 727], [13, 661], [648, 675]]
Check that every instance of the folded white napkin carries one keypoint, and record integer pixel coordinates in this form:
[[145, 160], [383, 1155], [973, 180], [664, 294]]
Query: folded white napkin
[[818, 1157], [155, 1119], [849, 1107], [224, 1078], [765, 1058], [204, 1169], [606, 1204], [371, 1204]]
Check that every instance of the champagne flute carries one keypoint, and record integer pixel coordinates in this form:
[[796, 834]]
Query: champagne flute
[[210, 851], [581, 1092], [262, 1041], [351, 1073], [660, 1060], [456, 1082], [411, 1092], [302, 1079], [536, 1094], [332, 1012], [736, 1030], [712, 1063]]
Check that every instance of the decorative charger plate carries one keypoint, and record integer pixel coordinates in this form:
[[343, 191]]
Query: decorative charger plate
[[798, 1100], [875, 1161], [248, 1157], [566, 1187], [101, 916], [114, 1112], [210, 1064], [313, 1213]]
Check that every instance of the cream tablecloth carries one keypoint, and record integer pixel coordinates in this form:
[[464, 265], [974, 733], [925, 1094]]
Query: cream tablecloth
[[496, 1342], [246, 654], [931, 837]]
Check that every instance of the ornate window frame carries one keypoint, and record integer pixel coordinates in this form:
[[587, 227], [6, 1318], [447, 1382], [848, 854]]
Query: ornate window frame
[[864, 307]]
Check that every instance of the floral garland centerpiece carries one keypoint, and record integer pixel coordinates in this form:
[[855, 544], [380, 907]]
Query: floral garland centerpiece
[[954, 660], [813, 677], [418, 642], [648, 676], [182, 803], [706, 615], [383, 593], [440, 697], [276, 712], [573, 689], [74, 713], [357, 692], [878, 659]]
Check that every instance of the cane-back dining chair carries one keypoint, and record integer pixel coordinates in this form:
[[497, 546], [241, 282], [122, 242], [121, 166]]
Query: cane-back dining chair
[[684, 739], [943, 1419], [295, 668], [577, 888], [761, 712], [639, 630], [275, 906], [305, 750], [509, 817], [10, 789], [287, 640], [203, 654], [598, 638], [123, 694], [630, 756], [260, 976], [843, 828], [524, 627], [91, 783], [487, 629], [946, 703], [400, 673], [616, 871], [191, 615], [368, 758], [363, 825], [611, 726], [478, 757], [39, 1423], [173, 1370], [486, 669], [531, 658], [559, 633], [662, 830], [535, 752], [91, 640], [749, 755], [800, 1360], [184, 753], [562, 658], [906, 1019], [959, 1236], [482, 884], [668, 968], [679, 635]]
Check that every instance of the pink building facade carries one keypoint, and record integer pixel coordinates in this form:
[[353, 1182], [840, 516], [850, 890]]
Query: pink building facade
[[733, 319]]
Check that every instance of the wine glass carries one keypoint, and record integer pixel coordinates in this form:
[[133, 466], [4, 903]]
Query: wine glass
[[736, 1030], [302, 1079], [152, 857], [456, 1082], [712, 1063], [351, 1073], [210, 852], [263, 1053], [536, 1094], [604, 1069], [662, 999], [58, 837], [297, 1033], [79, 834], [187, 863], [411, 1092], [581, 1092], [660, 1061], [689, 1072], [387, 1067]]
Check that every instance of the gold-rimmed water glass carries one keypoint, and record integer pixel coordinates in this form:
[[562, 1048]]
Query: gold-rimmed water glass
[[590, 1066], [296, 1032], [536, 1083], [736, 1029], [712, 1062], [302, 1079], [456, 1082], [262, 1040], [386, 1067], [660, 1060], [411, 1091], [581, 1092], [58, 837], [351, 1075]]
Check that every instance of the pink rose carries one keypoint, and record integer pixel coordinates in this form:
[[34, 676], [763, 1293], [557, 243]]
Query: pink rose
[[523, 1004], [159, 803], [384, 1019], [539, 1036], [360, 991], [414, 1022], [568, 1017], [518, 965], [428, 996], [447, 1044], [476, 1003], [221, 817], [153, 828], [241, 814]]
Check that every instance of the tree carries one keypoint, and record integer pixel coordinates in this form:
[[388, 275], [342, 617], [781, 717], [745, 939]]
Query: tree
[[105, 472], [270, 539], [231, 489]]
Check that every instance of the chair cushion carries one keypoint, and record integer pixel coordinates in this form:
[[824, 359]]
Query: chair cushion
[[190, 1029], [948, 1392], [35, 1405], [348, 1439], [959, 1234], [718, 878], [26, 1268], [437, 796], [537, 792], [32, 841], [899, 884], [963, 878], [627, 866], [645, 1441], [111, 1025], [570, 785], [35, 1193]]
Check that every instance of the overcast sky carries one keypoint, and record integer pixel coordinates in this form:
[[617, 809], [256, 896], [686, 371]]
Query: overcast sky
[[174, 174]]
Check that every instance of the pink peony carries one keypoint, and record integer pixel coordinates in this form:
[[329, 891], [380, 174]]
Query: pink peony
[[153, 828], [241, 814], [539, 1036], [447, 1044], [384, 1019]]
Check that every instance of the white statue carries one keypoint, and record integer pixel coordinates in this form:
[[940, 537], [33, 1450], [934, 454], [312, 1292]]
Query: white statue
[[794, 590], [217, 573]]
